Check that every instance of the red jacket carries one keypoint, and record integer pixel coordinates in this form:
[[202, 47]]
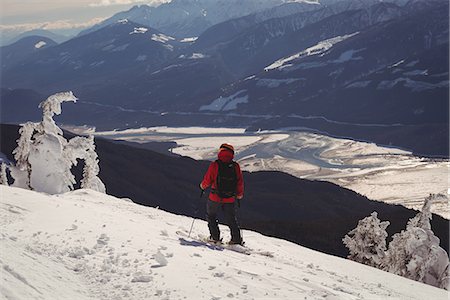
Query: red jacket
[[210, 181]]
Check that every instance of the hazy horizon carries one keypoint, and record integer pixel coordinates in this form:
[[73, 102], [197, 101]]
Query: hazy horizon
[[21, 15]]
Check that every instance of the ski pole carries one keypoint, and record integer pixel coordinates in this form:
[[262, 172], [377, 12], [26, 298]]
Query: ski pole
[[192, 225], [193, 219]]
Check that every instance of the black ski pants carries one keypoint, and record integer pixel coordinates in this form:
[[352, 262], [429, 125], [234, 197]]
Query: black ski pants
[[229, 210]]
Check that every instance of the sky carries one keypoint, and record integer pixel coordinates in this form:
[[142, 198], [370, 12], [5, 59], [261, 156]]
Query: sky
[[20, 15]]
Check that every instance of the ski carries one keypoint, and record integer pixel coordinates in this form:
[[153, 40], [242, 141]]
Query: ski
[[202, 240], [233, 247]]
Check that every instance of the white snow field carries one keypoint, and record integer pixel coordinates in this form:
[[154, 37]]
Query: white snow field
[[88, 245], [380, 173]]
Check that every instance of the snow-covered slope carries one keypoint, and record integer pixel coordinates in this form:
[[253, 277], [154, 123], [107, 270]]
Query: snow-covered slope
[[87, 245]]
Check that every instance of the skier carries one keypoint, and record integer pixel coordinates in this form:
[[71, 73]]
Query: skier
[[224, 176]]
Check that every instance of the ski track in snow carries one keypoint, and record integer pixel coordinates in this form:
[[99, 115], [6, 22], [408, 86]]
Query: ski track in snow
[[88, 245]]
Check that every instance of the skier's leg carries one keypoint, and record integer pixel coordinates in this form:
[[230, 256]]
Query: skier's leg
[[230, 215], [211, 215]]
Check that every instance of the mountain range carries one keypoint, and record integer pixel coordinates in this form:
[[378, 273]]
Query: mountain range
[[189, 18], [360, 69]]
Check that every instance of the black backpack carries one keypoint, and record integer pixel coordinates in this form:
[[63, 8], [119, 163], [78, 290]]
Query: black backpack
[[226, 179]]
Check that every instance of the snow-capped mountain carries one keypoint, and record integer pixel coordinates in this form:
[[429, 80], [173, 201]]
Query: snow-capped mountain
[[188, 18], [7, 39], [351, 72], [281, 20], [352, 54], [90, 58], [58, 38], [88, 245], [247, 51], [262, 70], [20, 50]]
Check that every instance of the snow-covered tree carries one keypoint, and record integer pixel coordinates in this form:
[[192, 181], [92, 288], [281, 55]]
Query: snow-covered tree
[[415, 252], [3, 177], [45, 158], [367, 242], [50, 166], [84, 148], [22, 153], [444, 280]]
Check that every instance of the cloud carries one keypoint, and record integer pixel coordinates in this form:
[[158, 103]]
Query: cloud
[[60, 24], [122, 2]]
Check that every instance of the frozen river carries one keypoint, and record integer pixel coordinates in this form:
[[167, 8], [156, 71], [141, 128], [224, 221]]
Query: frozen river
[[380, 173]]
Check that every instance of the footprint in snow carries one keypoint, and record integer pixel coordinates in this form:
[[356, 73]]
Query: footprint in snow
[[103, 239], [73, 227], [138, 277], [162, 261]]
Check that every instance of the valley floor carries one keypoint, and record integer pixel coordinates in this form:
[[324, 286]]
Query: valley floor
[[386, 174], [88, 245]]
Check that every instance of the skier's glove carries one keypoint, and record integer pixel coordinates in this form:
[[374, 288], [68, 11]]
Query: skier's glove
[[202, 191], [239, 198]]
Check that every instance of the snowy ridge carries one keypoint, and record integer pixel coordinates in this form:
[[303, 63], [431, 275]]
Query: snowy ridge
[[139, 30], [227, 103], [162, 38], [88, 245], [319, 48], [189, 39]]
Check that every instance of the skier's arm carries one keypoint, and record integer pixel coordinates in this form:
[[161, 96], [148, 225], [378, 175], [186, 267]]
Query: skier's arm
[[208, 179], [240, 183]]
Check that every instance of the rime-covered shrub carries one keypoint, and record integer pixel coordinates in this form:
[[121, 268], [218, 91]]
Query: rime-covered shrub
[[415, 252], [367, 242], [3, 176], [44, 158], [22, 172], [84, 148]]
